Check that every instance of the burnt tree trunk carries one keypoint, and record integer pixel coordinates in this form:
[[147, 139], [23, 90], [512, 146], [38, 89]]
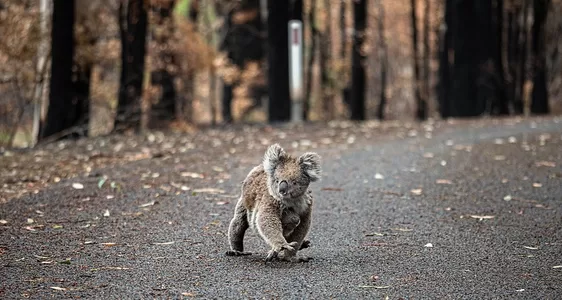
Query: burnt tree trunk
[[345, 93], [465, 73], [325, 59], [133, 25], [490, 78], [279, 108], [516, 53], [421, 104], [510, 55], [475, 78], [185, 102], [383, 56], [310, 64], [498, 56], [243, 43], [426, 75], [357, 101], [445, 64], [165, 108], [67, 113], [228, 45], [539, 100], [521, 66], [82, 76]]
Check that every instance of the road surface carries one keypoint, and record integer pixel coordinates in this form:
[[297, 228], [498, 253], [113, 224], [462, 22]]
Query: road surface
[[465, 211]]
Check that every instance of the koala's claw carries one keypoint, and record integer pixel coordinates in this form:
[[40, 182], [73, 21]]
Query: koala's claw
[[290, 246], [274, 253], [271, 255], [237, 253]]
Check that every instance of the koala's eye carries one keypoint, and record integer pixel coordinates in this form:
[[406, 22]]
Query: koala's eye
[[293, 182]]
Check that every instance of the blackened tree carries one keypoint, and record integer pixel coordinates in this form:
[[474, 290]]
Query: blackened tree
[[383, 57], [445, 63], [539, 102], [133, 23], [243, 43], [476, 82], [426, 73], [325, 60], [346, 90], [185, 98], [499, 101], [169, 106], [357, 100], [67, 113], [279, 108], [315, 35], [517, 44], [421, 103]]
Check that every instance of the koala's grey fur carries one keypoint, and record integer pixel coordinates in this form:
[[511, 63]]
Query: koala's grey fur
[[277, 203]]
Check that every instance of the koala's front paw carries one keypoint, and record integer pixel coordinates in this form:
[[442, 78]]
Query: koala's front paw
[[274, 253], [237, 253]]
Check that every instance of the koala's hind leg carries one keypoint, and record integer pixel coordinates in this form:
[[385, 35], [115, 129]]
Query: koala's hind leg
[[290, 221], [297, 237], [236, 230]]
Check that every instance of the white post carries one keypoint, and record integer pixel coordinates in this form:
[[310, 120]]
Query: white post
[[296, 73]]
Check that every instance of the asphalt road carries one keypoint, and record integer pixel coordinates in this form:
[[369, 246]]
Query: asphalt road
[[472, 212]]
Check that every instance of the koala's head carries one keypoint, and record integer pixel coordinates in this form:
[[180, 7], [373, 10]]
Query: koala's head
[[288, 177]]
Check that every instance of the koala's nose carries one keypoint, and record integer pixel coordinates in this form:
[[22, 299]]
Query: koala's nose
[[283, 187]]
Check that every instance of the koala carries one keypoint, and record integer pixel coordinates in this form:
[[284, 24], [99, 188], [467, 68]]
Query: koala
[[277, 203]]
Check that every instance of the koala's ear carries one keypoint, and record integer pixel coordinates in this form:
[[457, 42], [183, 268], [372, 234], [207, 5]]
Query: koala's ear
[[272, 158], [310, 164]]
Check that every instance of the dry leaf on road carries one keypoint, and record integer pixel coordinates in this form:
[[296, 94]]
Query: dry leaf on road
[[416, 192], [164, 243], [209, 191], [192, 175], [428, 155], [482, 217], [544, 163], [148, 204], [531, 248]]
